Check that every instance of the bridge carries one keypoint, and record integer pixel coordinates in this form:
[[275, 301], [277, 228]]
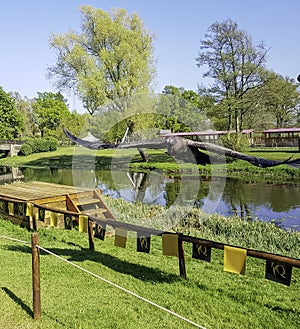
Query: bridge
[[10, 147]]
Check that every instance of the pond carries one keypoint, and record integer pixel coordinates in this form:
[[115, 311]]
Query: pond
[[273, 202]]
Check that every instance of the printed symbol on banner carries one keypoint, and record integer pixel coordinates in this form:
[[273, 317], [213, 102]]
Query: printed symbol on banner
[[279, 272], [41, 214], [143, 243], [19, 209], [202, 252], [68, 222], [3, 207], [100, 231]]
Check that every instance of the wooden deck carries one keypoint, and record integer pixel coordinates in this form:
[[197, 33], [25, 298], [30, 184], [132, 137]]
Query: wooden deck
[[50, 198], [37, 190]]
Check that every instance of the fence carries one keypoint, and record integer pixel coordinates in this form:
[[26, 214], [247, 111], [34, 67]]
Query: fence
[[29, 215], [36, 290]]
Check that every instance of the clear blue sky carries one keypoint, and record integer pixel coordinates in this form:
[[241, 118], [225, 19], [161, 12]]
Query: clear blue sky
[[26, 26]]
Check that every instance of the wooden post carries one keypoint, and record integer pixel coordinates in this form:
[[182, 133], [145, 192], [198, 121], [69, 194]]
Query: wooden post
[[91, 235], [36, 276], [181, 258]]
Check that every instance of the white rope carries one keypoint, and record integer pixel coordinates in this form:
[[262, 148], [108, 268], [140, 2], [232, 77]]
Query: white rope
[[123, 289], [13, 239]]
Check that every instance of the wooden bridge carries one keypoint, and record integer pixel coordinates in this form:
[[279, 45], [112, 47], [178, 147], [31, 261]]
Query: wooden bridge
[[11, 147]]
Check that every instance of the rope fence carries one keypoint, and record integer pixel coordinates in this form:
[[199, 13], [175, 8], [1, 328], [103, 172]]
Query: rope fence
[[36, 279]]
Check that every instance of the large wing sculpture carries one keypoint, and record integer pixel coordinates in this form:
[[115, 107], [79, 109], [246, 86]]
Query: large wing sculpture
[[178, 146]]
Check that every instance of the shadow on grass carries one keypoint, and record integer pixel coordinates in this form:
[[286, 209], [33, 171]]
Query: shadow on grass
[[18, 301], [137, 271]]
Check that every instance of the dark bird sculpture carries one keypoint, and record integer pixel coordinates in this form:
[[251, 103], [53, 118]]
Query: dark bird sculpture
[[186, 150]]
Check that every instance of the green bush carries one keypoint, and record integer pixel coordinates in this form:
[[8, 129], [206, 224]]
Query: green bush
[[26, 149], [37, 145], [52, 143], [236, 142]]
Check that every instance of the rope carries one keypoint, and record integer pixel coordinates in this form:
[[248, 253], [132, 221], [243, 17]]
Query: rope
[[13, 239], [123, 289]]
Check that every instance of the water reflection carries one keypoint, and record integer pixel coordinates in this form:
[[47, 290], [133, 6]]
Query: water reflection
[[277, 202]]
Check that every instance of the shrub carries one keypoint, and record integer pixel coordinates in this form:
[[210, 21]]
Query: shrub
[[26, 149], [41, 144], [237, 142], [52, 143]]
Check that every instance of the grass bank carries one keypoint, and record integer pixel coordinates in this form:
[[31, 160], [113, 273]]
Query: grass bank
[[80, 157], [72, 299]]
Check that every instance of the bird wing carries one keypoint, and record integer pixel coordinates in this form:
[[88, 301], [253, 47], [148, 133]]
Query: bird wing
[[256, 161], [87, 144]]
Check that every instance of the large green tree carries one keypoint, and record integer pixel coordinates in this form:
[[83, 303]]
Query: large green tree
[[11, 121], [281, 98], [110, 60], [51, 110], [236, 66]]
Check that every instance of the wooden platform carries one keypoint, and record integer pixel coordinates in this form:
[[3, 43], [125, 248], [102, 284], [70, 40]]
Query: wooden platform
[[37, 190], [47, 198]]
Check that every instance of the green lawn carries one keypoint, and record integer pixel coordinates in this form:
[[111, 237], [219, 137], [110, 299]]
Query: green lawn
[[73, 299]]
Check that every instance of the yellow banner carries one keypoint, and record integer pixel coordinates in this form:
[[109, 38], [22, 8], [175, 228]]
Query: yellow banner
[[170, 244], [11, 211], [54, 219], [29, 209], [83, 223], [235, 260], [120, 237]]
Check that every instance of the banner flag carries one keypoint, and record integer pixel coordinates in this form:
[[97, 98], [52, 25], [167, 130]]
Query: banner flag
[[170, 244], [143, 242], [201, 251], [54, 219], [3, 207], [19, 209], [120, 237], [83, 223], [279, 272], [41, 214], [11, 209], [99, 232], [29, 209], [235, 260], [68, 222]]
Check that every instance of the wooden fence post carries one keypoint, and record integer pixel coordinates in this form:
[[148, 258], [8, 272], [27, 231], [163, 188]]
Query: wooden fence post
[[91, 235], [36, 276], [181, 258]]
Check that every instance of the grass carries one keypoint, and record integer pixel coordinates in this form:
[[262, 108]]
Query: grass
[[73, 299], [79, 157]]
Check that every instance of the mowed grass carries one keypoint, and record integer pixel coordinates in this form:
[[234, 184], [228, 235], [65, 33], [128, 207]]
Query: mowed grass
[[74, 299]]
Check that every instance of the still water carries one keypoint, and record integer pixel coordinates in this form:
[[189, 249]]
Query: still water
[[274, 202]]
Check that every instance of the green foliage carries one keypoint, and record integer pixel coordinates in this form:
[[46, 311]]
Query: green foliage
[[11, 121], [236, 142], [51, 110], [26, 149], [111, 59], [37, 145]]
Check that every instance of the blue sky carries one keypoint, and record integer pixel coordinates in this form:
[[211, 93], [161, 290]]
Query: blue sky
[[178, 27]]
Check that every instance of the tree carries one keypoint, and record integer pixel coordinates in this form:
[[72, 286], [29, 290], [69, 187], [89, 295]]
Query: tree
[[184, 109], [282, 99], [10, 119], [110, 60], [25, 108], [237, 67], [50, 109]]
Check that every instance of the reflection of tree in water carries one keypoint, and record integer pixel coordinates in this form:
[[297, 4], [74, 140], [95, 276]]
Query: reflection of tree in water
[[235, 195]]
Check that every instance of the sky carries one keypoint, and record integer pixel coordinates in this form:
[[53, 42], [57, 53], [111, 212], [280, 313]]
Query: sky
[[178, 26]]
